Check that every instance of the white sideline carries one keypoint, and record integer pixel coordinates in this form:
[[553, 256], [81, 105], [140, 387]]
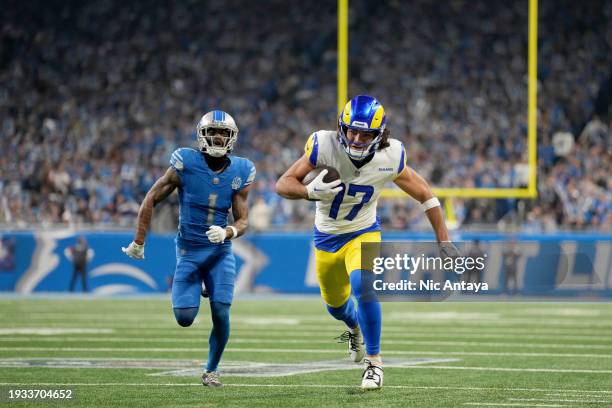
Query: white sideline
[[388, 328], [326, 322], [510, 404], [301, 351], [433, 367], [521, 370], [559, 400], [52, 331], [259, 340], [450, 333]]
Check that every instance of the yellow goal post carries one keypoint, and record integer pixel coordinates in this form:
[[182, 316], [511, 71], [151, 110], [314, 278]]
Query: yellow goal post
[[531, 190]]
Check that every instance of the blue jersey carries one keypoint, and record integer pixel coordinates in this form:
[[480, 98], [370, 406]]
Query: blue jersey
[[205, 197]]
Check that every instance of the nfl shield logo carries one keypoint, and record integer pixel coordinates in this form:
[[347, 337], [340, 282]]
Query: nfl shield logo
[[236, 183]]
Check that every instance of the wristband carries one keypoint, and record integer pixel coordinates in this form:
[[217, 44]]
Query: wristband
[[234, 231], [431, 203]]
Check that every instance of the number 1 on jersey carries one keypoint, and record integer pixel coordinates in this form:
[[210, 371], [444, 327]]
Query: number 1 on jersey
[[212, 201], [353, 190]]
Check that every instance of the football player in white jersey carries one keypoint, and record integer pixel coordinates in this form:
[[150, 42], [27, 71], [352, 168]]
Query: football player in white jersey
[[366, 158]]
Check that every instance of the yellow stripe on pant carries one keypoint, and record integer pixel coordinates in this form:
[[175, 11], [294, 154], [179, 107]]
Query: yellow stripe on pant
[[333, 268]]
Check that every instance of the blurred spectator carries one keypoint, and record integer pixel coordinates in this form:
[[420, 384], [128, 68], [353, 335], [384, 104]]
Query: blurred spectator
[[7, 254], [260, 215], [94, 97]]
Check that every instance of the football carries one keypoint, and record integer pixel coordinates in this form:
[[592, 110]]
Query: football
[[332, 175]]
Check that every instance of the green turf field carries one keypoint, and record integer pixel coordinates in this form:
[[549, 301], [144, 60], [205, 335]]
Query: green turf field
[[130, 352]]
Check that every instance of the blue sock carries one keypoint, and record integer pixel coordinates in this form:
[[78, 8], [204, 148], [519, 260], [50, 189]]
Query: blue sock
[[346, 313], [185, 315], [219, 333], [369, 311]]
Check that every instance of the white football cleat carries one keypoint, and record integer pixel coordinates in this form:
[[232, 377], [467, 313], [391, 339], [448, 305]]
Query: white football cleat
[[355, 344], [211, 379], [372, 376]]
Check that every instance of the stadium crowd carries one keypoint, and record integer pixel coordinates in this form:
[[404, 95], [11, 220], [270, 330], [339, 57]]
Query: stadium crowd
[[95, 96]]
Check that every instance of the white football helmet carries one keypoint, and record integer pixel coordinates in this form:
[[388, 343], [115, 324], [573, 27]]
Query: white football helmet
[[217, 144]]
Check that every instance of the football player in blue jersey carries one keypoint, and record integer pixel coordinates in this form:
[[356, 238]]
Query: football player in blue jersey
[[209, 182]]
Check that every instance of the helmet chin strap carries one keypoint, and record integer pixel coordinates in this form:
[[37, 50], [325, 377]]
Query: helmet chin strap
[[364, 153], [359, 155]]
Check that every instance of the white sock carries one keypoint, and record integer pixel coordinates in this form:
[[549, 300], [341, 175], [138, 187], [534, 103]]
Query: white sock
[[377, 361]]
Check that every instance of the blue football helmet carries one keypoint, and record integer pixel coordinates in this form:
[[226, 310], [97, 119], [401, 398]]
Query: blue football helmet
[[363, 113], [210, 122]]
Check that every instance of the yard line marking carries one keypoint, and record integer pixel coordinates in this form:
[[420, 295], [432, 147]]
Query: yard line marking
[[467, 317], [394, 326], [193, 368], [449, 332], [510, 404], [310, 351], [564, 394], [50, 331], [453, 328], [333, 331], [318, 321], [567, 311], [452, 334], [258, 340], [589, 393], [332, 326], [426, 314], [557, 400], [521, 370]]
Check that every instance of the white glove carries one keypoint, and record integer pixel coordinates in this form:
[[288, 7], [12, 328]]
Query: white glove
[[216, 234], [320, 190], [134, 251]]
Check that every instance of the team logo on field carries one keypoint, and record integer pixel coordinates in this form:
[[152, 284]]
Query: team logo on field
[[268, 369], [192, 368], [236, 183]]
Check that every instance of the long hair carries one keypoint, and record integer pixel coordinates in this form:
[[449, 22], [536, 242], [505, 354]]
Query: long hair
[[384, 142]]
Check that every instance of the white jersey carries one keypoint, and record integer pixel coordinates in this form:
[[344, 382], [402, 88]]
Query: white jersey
[[354, 208]]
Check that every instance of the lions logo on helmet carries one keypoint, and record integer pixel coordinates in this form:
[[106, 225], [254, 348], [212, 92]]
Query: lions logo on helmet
[[362, 113], [217, 133]]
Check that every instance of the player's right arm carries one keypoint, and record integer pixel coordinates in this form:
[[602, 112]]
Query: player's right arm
[[162, 188], [289, 185]]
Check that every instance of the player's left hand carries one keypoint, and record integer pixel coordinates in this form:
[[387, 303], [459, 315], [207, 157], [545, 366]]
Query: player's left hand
[[448, 250], [216, 234], [134, 250]]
